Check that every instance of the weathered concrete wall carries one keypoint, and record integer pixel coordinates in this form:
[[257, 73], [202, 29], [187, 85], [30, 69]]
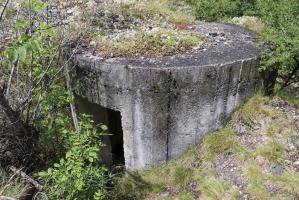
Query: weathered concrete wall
[[170, 103]]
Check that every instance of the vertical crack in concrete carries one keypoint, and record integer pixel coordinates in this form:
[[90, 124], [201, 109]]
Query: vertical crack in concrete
[[216, 94], [239, 83], [230, 70], [168, 110]]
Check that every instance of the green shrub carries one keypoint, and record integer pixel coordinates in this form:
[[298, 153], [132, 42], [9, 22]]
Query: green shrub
[[213, 10], [281, 28], [80, 175]]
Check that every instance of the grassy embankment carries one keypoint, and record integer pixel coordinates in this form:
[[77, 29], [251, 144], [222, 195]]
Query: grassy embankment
[[255, 157]]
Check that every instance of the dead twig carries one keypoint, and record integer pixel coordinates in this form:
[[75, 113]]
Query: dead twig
[[72, 106], [4, 8], [6, 198]]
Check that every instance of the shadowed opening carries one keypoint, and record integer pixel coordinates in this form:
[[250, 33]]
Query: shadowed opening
[[113, 153], [116, 137]]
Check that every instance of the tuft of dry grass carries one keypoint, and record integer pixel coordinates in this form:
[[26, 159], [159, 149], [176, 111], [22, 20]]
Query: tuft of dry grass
[[10, 185], [290, 94], [154, 43], [249, 22], [257, 107], [256, 187], [289, 182], [215, 189], [272, 152]]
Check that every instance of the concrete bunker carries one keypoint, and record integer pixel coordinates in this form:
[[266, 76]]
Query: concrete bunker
[[169, 103]]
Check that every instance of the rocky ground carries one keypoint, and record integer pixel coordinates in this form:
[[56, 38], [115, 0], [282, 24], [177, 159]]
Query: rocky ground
[[273, 144]]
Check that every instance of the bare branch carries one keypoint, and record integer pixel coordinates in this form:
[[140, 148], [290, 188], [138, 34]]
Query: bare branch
[[10, 78], [68, 85], [6, 198], [4, 8]]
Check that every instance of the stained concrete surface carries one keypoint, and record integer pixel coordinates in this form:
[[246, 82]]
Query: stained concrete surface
[[169, 103]]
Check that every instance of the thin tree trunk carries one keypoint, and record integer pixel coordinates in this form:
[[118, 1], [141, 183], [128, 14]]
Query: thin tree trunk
[[286, 83], [15, 117], [4, 8], [10, 78], [6, 198], [68, 85]]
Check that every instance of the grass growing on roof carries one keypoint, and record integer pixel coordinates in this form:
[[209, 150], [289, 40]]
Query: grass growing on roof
[[139, 28], [154, 43], [249, 22]]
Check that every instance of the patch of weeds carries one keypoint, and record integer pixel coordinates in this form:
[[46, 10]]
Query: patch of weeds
[[256, 187], [272, 130], [290, 94], [254, 108], [131, 185], [155, 43], [289, 181], [138, 28], [190, 158], [166, 198], [278, 129], [174, 11], [243, 153], [249, 22], [160, 177], [184, 196], [214, 189], [217, 143], [152, 181], [182, 176], [272, 151], [10, 185]]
